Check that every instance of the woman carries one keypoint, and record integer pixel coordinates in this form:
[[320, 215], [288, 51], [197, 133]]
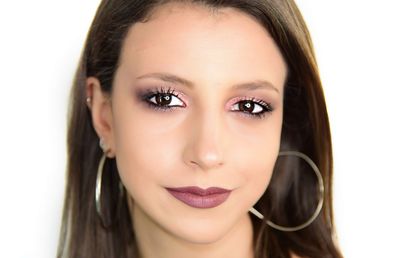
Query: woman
[[198, 129]]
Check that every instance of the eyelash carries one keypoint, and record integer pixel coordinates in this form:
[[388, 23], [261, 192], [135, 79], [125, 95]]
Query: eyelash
[[266, 107]]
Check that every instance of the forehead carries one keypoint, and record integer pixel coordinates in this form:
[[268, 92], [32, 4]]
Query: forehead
[[220, 45]]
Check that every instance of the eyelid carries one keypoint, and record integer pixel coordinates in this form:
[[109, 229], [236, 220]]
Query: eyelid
[[253, 99]]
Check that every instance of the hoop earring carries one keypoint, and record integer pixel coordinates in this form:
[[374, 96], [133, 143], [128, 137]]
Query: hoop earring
[[98, 189], [320, 201]]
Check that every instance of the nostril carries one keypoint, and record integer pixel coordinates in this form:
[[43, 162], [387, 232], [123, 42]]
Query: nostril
[[206, 164]]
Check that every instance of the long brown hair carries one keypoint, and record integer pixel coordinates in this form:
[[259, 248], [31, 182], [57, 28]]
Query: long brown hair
[[291, 196]]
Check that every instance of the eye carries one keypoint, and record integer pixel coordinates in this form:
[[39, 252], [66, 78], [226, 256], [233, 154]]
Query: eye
[[163, 99], [253, 107]]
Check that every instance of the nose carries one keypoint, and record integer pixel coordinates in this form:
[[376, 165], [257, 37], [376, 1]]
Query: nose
[[205, 146]]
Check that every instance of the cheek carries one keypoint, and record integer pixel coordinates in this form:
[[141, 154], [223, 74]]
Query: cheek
[[145, 151], [257, 167], [256, 158]]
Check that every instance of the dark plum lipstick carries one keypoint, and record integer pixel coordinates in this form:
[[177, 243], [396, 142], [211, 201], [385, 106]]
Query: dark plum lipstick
[[200, 198]]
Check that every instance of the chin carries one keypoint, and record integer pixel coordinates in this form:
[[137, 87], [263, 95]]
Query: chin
[[201, 231]]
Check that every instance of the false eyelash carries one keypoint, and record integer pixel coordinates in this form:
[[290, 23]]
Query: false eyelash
[[160, 90]]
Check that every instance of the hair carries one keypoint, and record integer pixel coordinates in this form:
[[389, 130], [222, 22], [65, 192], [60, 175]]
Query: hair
[[292, 194]]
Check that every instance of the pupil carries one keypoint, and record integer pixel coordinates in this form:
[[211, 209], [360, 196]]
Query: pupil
[[163, 99]]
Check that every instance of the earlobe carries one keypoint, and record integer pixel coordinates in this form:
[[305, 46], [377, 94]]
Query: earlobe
[[100, 107]]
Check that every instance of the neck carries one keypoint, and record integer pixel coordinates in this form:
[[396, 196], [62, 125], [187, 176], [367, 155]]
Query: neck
[[154, 242]]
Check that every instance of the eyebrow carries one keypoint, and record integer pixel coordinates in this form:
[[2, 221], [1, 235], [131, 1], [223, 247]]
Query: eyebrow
[[253, 85]]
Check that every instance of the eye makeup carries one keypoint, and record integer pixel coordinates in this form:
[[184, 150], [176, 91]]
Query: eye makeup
[[158, 98], [167, 99], [251, 106]]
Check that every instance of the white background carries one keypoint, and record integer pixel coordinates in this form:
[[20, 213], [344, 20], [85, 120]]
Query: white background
[[357, 46]]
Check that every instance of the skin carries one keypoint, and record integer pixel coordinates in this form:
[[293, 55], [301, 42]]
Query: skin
[[207, 141]]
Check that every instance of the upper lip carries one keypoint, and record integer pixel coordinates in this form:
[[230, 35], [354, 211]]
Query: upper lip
[[199, 191]]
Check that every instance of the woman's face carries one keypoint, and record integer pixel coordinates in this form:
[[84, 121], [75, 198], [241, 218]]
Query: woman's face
[[216, 123]]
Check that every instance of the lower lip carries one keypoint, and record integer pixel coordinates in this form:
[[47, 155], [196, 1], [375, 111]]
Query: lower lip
[[198, 201]]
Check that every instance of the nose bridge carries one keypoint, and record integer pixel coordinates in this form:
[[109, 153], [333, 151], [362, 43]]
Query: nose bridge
[[207, 144]]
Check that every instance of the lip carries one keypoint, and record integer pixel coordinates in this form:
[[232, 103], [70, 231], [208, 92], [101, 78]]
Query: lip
[[200, 198]]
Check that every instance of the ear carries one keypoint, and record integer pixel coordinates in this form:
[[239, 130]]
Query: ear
[[102, 118]]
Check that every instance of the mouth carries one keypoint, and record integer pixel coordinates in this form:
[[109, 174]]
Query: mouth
[[200, 198]]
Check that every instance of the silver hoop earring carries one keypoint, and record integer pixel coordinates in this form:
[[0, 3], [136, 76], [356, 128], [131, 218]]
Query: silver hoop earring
[[320, 201], [98, 188]]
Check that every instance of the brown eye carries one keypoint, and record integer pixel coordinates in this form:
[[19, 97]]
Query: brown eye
[[163, 99], [253, 107], [246, 106], [250, 107]]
